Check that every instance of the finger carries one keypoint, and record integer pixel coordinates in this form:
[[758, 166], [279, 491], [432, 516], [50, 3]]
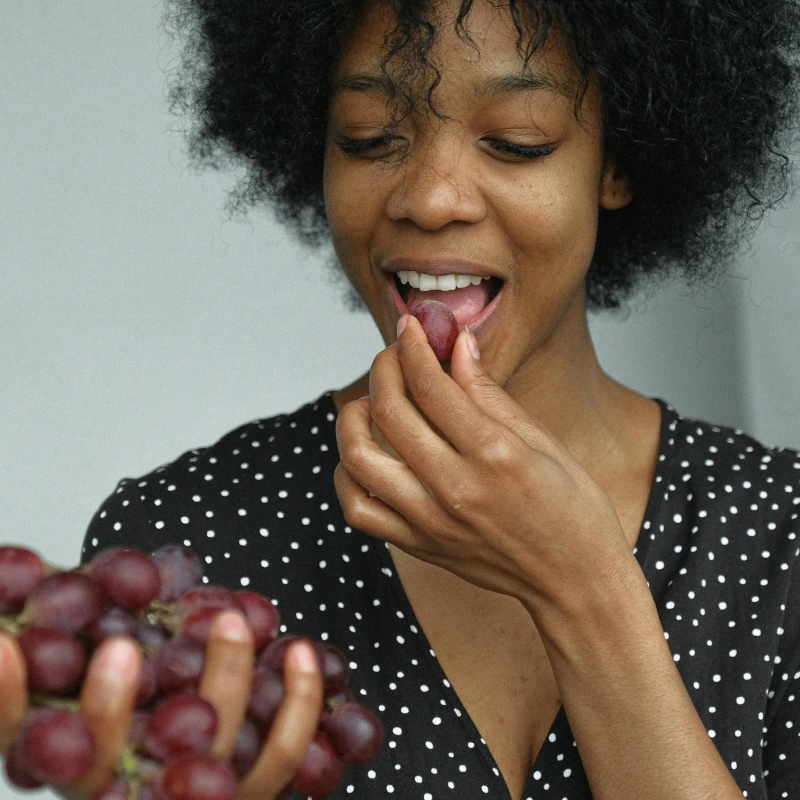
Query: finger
[[374, 473], [415, 438], [106, 702], [469, 407], [371, 515], [13, 691], [292, 731], [465, 425], [227, 676]]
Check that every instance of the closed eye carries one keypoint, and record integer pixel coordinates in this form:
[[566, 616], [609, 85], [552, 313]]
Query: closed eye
[[383, 143], [356, 146], [523, 151]]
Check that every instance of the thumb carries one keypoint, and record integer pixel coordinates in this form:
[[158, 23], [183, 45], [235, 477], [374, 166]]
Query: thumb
[[492, 399], [469, 373]]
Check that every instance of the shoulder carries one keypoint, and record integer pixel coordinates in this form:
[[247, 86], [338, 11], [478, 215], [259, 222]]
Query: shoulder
[[217, 481], [740, 503], [722, 462]]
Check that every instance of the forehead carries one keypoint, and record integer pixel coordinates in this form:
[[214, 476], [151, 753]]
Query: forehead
[[482, 57]]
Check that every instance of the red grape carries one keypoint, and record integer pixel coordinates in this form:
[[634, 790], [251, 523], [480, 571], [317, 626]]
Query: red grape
[[335, 668], [179, 665], [55, 746], [321, 770], [274, 655], [355, 732], [137, 727], [262, 616], [148, 771], [114, 621], [147, 791], [158, 601], [197, 777], [147, 683], [331, 661], [266, 695], [55, 660], [247, 749], [208, 596], [345, 696], [180, 724], [440, 326], [115, 791], [68, 601], [197, 624], [151, 636], [128, 577], [16, 771], [21, 570], [179, 569]]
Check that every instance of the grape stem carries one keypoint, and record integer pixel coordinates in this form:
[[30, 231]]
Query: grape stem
[[158, 613], [48, 701], [128, 765], [8, 623]]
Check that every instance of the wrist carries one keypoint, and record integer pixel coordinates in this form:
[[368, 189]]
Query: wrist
[[598, 620]]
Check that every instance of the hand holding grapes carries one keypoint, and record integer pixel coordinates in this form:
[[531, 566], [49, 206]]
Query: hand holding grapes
[[189, 692], [452, 470]]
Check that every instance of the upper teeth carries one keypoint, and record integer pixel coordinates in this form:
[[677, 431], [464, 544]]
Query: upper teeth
[[441, 283]]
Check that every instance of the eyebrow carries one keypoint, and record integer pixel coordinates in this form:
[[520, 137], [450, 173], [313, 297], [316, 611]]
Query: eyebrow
[[531, 81], [516, 84], [363, 82]]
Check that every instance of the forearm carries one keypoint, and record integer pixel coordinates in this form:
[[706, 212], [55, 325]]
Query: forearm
[[636, 729]]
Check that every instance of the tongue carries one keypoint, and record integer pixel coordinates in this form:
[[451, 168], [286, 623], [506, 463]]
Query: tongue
[[466, 304]]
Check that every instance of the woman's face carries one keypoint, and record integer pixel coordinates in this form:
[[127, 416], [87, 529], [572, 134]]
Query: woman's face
[[510, 185]]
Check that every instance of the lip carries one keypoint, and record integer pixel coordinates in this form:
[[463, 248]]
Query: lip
[[439, 265], [477, 327]]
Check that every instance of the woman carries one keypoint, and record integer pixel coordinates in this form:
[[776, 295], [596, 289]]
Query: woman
[[548, 584]]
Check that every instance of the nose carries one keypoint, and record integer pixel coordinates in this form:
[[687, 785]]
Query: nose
[[437, 185]]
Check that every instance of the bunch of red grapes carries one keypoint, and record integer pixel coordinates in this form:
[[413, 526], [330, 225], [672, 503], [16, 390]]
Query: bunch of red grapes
[[60, 617]]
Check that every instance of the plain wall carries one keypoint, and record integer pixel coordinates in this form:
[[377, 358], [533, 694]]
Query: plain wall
[[139, 321]]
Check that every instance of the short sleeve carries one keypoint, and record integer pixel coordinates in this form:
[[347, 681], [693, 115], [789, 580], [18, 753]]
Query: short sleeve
[[781, 752], [122, 520]]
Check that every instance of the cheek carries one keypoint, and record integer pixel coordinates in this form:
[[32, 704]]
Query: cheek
[[354, 203], [558, 221], [346, 218]]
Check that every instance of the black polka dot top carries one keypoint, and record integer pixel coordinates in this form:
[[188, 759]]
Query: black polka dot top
[[718, 547]]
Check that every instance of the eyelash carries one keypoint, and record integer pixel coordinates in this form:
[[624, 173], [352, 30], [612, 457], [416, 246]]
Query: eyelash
[[531, 153]]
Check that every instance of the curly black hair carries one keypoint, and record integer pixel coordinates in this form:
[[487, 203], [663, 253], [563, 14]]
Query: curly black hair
[[699, 100]]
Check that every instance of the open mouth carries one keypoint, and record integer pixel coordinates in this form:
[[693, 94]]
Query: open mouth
[[469, 306], [404, 289]]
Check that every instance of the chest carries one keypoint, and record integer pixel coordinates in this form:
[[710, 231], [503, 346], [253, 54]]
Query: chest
[[493, 657]]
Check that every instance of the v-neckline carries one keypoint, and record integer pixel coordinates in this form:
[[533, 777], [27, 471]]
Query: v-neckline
[[560, 724]]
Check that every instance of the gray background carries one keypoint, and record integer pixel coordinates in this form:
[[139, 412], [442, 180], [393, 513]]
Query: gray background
[[139, 320]]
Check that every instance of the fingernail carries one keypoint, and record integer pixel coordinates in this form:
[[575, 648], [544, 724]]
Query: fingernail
[[401, 324], [232, 626], [118, 660], [472, 342], [305, 658]]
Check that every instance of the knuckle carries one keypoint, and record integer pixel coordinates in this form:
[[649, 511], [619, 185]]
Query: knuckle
[[353, 516], [497, 449], [383, 408], [457, 495], [423, 384], [354, 459]]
